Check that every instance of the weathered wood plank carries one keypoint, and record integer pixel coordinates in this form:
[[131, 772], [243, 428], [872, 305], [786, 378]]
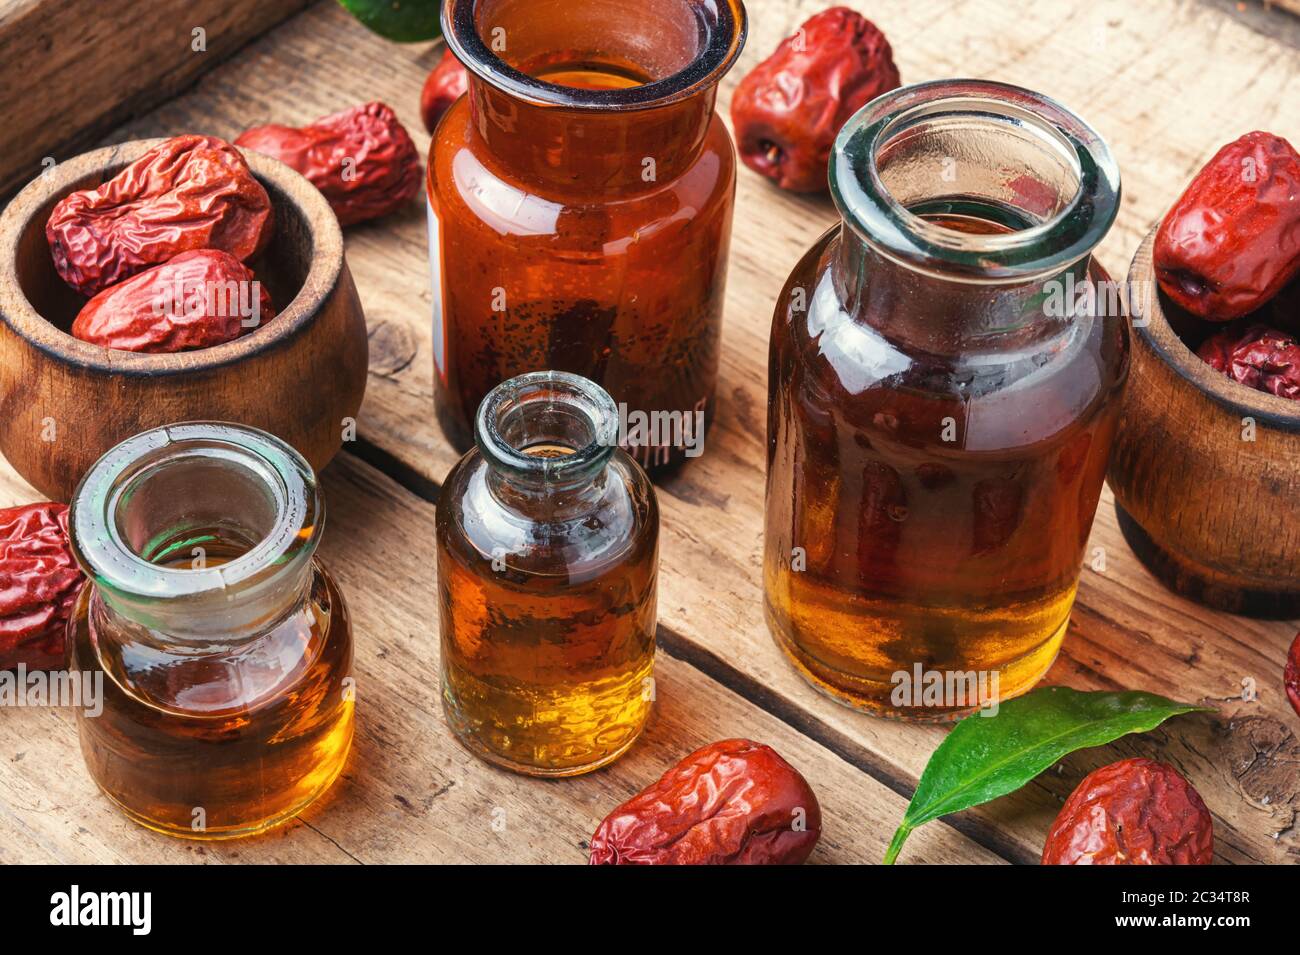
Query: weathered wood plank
[[411, 793], [1166, 83], [71, 69]]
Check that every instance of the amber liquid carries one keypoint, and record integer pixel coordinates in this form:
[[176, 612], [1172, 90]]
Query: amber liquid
[[889, 547], [227, 744], [564, 69], [547, 670]]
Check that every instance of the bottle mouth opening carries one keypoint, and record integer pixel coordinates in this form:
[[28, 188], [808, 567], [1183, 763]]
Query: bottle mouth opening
[[195, 510], [663, 52], [548, 427], [975, 150]]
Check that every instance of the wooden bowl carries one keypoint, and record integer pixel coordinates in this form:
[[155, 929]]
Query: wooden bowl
[[64, 402], [1213, 514]]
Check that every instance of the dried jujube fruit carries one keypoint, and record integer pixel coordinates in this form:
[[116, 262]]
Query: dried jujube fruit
[[445, 84], [734, 802], [362, 159], [39, 582], [1256, 356], [1134, 812], [190, 192], [1232, 240], [788, 110], [196, 300]]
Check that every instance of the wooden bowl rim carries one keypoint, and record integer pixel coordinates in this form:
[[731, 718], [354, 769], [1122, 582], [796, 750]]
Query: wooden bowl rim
[[1280, 413], [322, 275]]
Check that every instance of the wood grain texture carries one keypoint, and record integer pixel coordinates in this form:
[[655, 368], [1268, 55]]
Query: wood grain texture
[[410, 792], [65, 402], [1166, 82], [69, 69]]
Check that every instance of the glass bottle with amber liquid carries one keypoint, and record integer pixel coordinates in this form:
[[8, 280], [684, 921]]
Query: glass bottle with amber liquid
[[223, 647], [944, 372], [547, 538], [580, 207]]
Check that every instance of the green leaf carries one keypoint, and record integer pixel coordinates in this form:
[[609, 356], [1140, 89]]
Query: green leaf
[[405, 21], [989, 756]]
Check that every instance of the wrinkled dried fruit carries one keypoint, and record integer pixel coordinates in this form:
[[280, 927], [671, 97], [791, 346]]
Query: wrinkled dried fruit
[[1232, 240], [788, 110], [196, 300], [445, 84], [1257, 356], [1134, 812], [734, 802], [39, 581], [1291, 675], [190, 192], [361, 159]]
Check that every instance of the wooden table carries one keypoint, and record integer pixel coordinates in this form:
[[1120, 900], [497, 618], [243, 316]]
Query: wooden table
[[1165, 82]]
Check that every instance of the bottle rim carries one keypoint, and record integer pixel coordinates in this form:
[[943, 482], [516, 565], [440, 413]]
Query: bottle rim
[[538, 393], [723, 25], [130, 581], [1073, 230]]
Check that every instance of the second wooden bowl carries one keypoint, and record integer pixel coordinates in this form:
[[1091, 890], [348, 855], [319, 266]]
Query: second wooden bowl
[[1206, 471], [64, 402]]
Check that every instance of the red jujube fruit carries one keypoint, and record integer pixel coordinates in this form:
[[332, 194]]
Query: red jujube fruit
[[1232, 240], [734, 802], [362, 159], [788, 110], [1257, 356], [196, 300], [1134, 812], [190, 192], [445, 84], [39, 582]]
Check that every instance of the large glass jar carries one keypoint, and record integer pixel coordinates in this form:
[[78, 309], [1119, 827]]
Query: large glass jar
[[580, 201], [944, 369], [222, 646], [548, 559]]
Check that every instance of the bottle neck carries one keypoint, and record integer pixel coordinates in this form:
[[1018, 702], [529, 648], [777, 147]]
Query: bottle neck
[[610, 153], [221, 616], [188, 627], [604, 97], [971, 210], [547, 502], [547, 438], [197, 536], [945, 315]]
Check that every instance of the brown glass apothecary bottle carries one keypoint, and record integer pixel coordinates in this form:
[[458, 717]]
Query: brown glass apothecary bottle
[[223, 646], [548, 559], [943, 400], [580, 206]]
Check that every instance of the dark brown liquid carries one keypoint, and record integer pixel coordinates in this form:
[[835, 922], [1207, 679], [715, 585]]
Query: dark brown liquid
[[227, 743], [609, 265]]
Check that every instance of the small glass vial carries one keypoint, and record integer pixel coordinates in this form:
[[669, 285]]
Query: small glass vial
[[224, 648], [943, 398], [548, 539]]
